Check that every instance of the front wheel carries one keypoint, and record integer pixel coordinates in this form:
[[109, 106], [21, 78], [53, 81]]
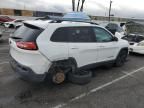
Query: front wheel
[[121, 59]]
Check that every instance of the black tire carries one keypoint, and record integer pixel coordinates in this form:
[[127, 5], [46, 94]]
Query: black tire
[[17, 27], [108, 66], [11, 26], [80, 78], [121, 58]]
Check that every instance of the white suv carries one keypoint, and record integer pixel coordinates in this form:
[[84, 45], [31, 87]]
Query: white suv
[[57, 48]]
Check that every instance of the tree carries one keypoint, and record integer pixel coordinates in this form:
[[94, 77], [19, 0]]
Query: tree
[[81, 9], [78, 5], [73, 5]]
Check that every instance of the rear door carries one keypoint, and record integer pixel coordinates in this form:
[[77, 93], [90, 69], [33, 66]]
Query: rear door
[[53, 43], [108, 48], [82, 45]]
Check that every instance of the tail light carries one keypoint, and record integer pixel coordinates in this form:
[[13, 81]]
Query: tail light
[[27, 45]]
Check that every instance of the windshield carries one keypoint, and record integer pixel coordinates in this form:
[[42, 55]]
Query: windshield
[[135, 28], [119, 29], [113, 26]]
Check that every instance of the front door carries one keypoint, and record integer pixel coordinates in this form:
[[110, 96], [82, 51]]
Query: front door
[[82, 45], [108, 48]]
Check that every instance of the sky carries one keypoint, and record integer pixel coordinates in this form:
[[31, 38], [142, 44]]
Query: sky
[[120, 8]]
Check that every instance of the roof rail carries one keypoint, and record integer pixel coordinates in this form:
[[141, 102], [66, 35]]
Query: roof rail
[[61, 20]]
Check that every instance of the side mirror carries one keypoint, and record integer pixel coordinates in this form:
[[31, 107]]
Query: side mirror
[[115, 39]]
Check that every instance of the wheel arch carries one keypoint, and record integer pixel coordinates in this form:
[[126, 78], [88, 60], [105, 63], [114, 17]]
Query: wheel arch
[[124, 48], [66, 63]]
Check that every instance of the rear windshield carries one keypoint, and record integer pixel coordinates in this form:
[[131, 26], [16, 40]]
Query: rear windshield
[[27, 33]]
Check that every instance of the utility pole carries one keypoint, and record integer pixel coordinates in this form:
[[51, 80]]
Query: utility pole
[[73, 5], [110, 10]]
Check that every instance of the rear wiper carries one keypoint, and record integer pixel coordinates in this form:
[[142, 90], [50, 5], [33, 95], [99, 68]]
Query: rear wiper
[[16, 37]]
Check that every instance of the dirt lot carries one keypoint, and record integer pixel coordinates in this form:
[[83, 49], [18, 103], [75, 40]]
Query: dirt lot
[[110, 88]]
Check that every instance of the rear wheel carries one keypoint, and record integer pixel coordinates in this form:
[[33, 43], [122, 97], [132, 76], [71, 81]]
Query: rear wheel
[[56, 76], [121, 59]]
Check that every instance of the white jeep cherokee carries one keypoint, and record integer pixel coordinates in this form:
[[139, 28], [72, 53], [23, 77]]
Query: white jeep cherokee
[[56, 48]]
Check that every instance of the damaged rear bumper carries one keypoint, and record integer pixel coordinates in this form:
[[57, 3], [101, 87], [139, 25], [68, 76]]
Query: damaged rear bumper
[[26, 73]]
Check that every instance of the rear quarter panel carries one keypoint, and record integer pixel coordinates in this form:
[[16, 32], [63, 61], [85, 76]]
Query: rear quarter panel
[[54, 51]]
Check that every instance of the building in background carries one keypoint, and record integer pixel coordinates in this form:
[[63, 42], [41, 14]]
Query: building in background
[[30, 13]]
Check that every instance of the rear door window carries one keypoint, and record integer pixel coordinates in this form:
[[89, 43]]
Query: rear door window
[[27, 33], [81, 34], [60, 35]]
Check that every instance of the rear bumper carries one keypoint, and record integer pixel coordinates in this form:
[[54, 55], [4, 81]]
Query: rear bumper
[[26, 73]]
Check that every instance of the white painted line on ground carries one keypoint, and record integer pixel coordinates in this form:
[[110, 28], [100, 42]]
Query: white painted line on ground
[[127, 73], [133, 76], [4, 63], [98, 88]]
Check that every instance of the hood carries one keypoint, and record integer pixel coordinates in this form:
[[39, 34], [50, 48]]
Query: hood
[[134, 28]]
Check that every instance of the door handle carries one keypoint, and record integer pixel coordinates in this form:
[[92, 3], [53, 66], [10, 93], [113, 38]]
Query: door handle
[[74, 48]]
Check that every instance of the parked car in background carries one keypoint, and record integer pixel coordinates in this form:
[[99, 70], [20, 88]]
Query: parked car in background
[[48, 17], [13, 24], [115, 29], [135, 37], [57, 49], [5, 19]]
